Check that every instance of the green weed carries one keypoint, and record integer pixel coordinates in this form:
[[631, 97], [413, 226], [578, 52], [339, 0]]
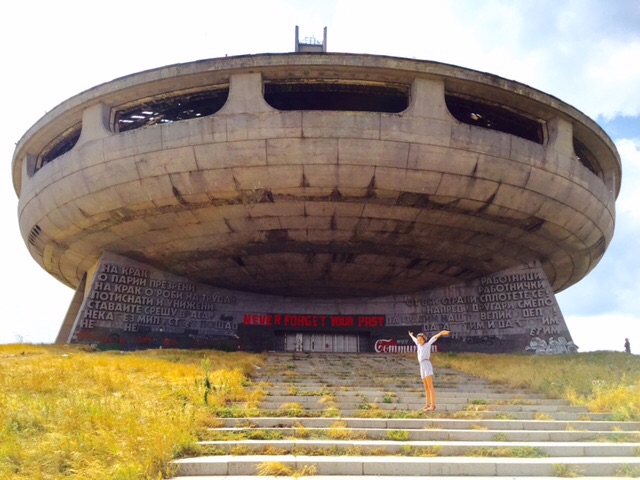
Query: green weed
[[565, 471], [504, 416], [398, 435], [388, 397], [628, 471], [410, 451], [291, 409], [517, 452]]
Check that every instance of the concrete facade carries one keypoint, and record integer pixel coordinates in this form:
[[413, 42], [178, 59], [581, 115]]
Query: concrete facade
[[127, 305], [318, 204]]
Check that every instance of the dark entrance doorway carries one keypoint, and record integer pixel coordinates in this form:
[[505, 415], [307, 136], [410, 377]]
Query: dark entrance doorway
[[323, 342]]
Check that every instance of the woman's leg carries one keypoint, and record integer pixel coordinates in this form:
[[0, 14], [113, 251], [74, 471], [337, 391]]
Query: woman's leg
[[426, 393], [430, 392]]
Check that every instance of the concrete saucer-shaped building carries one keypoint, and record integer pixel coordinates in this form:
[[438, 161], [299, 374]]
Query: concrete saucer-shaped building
[[316, 201]]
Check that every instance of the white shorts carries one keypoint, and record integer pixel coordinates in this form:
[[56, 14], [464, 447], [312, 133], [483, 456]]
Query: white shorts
[[426, 369]]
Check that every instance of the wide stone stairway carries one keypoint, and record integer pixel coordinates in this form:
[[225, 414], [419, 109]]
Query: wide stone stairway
[[359, 415]]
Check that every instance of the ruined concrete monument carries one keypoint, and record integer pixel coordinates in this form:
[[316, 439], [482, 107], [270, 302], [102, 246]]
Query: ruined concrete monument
[[316, 201]]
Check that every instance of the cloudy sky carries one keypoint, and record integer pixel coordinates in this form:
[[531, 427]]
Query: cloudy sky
[[585, 52]]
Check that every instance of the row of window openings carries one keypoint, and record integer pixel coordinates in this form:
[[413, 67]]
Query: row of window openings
[[314, 97]]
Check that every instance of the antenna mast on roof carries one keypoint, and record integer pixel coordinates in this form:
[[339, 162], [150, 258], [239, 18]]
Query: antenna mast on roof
[[311, 44]]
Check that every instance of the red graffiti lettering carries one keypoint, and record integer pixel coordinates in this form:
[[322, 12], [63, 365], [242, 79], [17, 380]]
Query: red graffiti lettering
[[371, 322], [264, 320], [301, 320], [342, 321]]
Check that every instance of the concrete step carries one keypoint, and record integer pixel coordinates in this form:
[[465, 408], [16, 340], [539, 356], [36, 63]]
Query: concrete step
[[348, 379], [277, 393], [418, 466], [434, 423], [385, 371], [475, 391], [474, 435], [373, 427], [414, 390], [399, 373], [424, 448], [335, 412], [319, 403], [364, 477]]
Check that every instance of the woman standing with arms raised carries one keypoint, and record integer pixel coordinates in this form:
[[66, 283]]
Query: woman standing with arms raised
[[426, 369]]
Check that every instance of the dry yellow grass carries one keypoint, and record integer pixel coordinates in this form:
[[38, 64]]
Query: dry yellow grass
[[67, 412], [340, 431], [601, 381], [278, 469]]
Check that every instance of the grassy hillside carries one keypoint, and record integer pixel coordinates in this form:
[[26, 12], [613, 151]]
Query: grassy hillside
[[67, 412], [601, 381]]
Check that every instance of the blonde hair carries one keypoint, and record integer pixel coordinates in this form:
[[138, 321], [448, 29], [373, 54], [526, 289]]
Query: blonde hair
[[422, 335]]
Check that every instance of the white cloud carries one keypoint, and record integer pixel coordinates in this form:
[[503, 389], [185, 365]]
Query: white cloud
[[611, 78], [629, 198], [604, 332], [585, 52]]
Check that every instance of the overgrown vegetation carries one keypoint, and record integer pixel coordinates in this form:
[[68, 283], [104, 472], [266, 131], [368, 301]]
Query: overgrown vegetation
[[278, 469], [68, 412], [601, 381], [501, 452], [388, 397], [566, 471], [398, 435], [628, 471], [291, 409], [339, 431]]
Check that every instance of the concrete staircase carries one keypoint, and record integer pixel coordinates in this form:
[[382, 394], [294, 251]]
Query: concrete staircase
[[358, 415]]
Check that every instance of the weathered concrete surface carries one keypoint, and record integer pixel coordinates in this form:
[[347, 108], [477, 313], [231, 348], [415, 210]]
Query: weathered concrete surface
[[129, 305], [318, 204]]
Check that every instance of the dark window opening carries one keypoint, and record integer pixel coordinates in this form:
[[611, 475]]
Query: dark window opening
[[585, 157], [337, 96], [494, 118], [34, 233], [59, 146], [172, 109]]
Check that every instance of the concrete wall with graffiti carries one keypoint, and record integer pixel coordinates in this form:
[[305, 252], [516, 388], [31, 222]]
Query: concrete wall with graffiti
[[130, 305]]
